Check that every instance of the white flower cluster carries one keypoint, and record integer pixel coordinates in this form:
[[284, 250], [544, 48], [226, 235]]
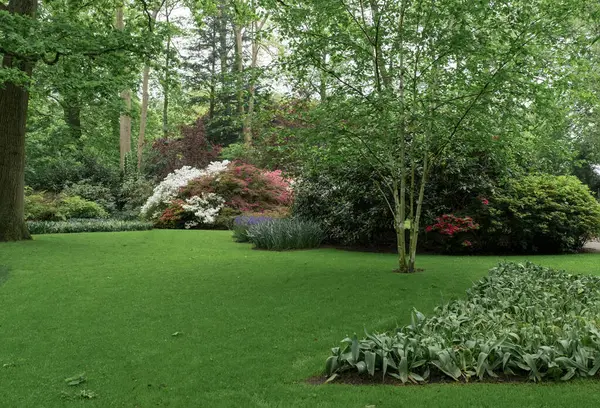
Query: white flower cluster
[[205, 208], [169, 187]]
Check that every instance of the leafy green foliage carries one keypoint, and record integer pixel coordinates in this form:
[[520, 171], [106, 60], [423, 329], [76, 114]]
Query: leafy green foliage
[[541, 213], [72, 226], [344, 200], [132, 194], [285, 234], [522, 320], [91, 191], [77, 207]]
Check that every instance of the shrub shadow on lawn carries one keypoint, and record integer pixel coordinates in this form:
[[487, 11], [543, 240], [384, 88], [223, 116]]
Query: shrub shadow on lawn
[[3, 274]]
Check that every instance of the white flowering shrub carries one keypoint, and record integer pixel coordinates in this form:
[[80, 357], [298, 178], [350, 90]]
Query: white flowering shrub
[[168, 189], [205, 209]]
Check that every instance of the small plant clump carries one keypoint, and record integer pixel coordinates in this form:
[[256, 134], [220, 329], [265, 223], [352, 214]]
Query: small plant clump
[[285, 234], [523, 320]]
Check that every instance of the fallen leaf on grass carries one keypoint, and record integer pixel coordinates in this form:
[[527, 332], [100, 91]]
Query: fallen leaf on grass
[[76, 380]]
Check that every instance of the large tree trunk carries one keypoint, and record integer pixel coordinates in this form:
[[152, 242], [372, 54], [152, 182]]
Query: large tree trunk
[[125, 119], [13, 116]]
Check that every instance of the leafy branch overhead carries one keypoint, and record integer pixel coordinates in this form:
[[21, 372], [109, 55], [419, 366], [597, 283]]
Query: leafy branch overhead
[[48, 40]]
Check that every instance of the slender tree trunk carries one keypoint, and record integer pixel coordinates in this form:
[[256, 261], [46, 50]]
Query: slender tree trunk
[[14, 100], [213, 73], [145, 98], [417, 218], [143, 116], [247, 125], [165, 113], [239, 70], [125, 118], [323, 79], [223, 44]]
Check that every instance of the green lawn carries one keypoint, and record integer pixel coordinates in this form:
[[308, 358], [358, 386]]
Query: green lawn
[[255, 324]]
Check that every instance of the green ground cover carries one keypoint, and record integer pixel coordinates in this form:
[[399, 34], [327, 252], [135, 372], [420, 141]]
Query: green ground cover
[[252, 325]]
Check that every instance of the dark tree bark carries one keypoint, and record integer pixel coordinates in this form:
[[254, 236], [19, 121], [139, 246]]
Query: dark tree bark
[[72, 111], [14, 99]]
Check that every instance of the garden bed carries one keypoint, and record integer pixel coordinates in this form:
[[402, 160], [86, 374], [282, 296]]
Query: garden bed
[[522, 321]]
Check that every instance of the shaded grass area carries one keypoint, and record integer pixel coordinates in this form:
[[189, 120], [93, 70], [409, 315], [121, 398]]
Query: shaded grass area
[[254, 325]]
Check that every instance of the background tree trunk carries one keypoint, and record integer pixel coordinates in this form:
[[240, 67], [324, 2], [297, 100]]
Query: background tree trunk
[[239, 70], [13, 116], [125, 119], [72, 111], [145, 98], [143, 116]]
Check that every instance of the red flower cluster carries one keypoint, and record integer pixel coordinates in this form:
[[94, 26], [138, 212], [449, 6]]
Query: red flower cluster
[[171, 216], [484, 201], [450, 224]]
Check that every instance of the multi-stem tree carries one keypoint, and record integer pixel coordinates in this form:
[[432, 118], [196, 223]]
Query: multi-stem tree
[[408, 78]]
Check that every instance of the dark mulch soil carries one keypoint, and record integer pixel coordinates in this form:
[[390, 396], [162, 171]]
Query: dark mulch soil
[[353, 378]]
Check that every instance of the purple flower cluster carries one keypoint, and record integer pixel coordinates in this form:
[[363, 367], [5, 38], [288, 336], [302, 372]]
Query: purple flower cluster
[[247, 220]]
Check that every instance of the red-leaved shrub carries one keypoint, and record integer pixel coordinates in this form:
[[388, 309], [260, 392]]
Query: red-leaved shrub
[[245, 188], [191, 149]]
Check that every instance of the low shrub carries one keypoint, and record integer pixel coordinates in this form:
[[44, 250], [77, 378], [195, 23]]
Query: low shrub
[[522, 320], [89, 225], [284, 234], [91, 191], [77, 207], [132, 194], [540, 213], [42, 206]]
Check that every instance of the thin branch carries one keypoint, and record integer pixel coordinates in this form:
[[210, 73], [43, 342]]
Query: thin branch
[[363, 29]]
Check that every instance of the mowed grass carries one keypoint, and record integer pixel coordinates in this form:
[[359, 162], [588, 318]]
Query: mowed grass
[[254, 324]]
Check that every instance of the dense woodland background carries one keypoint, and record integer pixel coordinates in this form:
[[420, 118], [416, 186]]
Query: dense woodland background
[[388, 114]]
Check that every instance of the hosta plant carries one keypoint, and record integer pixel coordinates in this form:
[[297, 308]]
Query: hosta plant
[[522, 320]]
